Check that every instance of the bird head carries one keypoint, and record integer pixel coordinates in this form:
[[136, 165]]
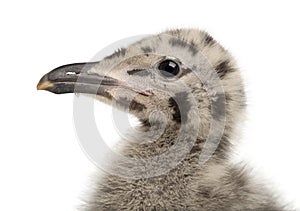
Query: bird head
[[175, 77]]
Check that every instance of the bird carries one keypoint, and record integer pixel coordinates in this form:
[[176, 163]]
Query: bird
[[188, 94]]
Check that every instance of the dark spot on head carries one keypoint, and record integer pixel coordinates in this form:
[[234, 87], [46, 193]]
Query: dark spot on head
[[193, 50], [138, 72], [146, 49], [192, 43], [178, 42], [107, 95], [119, 52], [223, 68], [132, 105], [181, 107], [184, 44], [135, 106], [176, 114], [208, 40], [185, 71], [175, 32]]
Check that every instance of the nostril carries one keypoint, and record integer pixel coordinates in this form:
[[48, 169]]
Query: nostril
[[72, 73]]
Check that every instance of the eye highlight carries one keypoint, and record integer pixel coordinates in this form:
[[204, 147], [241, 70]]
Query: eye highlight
[[168, 68]]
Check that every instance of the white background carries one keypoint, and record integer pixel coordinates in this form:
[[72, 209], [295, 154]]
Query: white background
[[42, 165]]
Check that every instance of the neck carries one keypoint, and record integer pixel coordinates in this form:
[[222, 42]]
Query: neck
[[154, 139]]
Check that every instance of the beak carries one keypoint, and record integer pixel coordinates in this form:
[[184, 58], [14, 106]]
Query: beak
[[76, 78]]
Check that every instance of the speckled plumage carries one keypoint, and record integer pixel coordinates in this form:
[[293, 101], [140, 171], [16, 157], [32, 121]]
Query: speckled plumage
[[215, 185]]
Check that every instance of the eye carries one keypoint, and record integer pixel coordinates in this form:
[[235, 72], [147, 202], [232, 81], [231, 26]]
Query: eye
[[169, 68]]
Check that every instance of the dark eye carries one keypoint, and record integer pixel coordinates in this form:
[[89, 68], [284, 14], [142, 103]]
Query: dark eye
[[169, 68]]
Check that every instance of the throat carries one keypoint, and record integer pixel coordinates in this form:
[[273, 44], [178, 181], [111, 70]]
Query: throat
[[156, 149], [158, 139]]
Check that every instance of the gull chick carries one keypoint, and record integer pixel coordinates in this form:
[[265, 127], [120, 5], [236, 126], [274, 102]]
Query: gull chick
[[188, 94]]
